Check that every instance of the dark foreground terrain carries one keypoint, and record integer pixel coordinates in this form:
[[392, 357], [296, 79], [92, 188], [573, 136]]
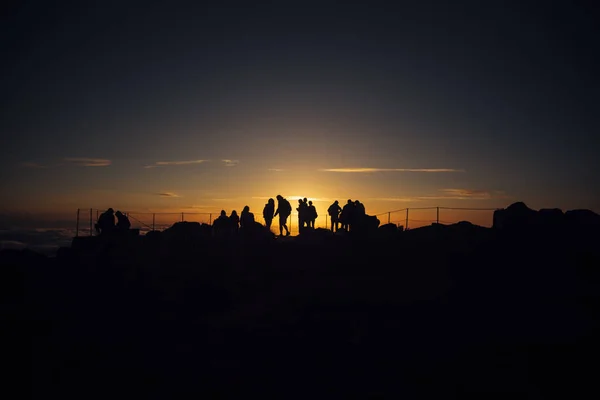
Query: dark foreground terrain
[[450, 312]]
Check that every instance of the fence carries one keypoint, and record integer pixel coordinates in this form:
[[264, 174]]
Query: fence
[[408, 218]]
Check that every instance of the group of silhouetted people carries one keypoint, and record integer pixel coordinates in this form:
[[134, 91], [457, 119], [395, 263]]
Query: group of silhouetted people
[[307, 214], [350, 217], [106, 222]]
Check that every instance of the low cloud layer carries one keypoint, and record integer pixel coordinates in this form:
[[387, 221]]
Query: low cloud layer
[[367, 170], [87, 162]]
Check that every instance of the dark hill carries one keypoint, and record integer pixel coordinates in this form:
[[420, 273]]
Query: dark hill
[[442, 311]]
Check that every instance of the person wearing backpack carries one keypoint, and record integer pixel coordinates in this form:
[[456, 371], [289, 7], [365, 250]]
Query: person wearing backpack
[[284, 210]]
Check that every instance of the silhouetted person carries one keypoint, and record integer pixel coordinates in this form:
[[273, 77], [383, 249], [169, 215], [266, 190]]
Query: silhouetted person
[[358, 216], [222, 225], [106, 222], [234, 221], [301, 215], [305, 205], [123, 223], [268, 213], [347, 215], [284, 209], [311, 215], [246, 218], [334, 211]]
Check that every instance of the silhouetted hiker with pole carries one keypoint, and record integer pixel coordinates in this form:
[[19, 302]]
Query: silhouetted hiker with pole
[[284, 209], [234, 221], [311, 215], [347, 215], [268, 212], [106, 222], [123, 223], [334, 211]]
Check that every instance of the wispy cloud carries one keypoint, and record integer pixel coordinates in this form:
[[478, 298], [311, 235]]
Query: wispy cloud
[[276, 169], [185, 162], [395, 199], [167, 194], [466, 194], [230, 163], [367, 170], [199, 207], [450, 194], [88, 162], [32, 165]]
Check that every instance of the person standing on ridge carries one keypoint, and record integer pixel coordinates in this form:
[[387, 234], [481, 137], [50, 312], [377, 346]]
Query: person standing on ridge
[[268, 212], [334, 211], [311, 215], [234, 222], [284, 209], [301, 215], [106, 222], [347, 215], [246, 218]]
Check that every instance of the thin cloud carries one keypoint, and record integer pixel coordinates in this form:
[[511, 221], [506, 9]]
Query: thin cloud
[[32, 165], [395, 199], [186, 162], [167, 194], [468, 193], [88, 162], [230, 163], [367, 170], [199, 207], [276, 169], [449, 194]]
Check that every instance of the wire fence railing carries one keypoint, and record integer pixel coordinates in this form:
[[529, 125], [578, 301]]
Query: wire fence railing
[[406, 218]]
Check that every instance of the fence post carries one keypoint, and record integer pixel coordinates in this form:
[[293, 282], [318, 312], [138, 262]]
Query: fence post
[[181, 217], [97, 211], [153, 220], [389, 217], [210, 219], [438, 215], [406, 225], [91, 221], [77, 227]]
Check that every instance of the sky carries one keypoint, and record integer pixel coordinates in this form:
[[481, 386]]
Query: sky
[[199, 106]]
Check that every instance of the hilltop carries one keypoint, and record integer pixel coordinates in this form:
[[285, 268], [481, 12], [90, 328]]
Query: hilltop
[[445, 310]]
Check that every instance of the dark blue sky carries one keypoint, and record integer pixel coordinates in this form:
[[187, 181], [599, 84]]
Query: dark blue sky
[[504, 94]]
